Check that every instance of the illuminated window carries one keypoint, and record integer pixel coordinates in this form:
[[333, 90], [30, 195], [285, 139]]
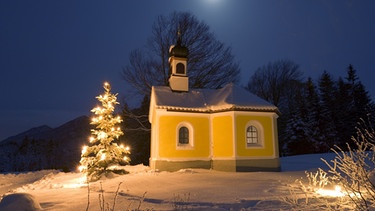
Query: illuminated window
[[183, 135], [252, 136]]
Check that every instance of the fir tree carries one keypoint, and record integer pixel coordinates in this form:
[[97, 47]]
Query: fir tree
[[328, 104], [344, 124], [314, 119], [298, 131], [104, 155], [359, 104], [351, 104]]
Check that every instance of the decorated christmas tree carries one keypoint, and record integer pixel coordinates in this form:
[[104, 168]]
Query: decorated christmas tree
[[103, 155]]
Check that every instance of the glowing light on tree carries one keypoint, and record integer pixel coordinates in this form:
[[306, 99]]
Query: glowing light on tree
[[103, 154]]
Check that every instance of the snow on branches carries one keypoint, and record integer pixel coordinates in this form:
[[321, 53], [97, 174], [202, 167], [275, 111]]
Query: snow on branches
[[103, 154]]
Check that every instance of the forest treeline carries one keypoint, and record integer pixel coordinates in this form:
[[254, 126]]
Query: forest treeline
[[326, 113], [316, 115]]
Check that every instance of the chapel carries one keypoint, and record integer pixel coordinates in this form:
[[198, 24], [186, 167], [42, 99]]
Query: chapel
[[225, 129]]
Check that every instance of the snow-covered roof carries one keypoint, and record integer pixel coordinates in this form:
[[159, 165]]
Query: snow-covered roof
[[230, 97]]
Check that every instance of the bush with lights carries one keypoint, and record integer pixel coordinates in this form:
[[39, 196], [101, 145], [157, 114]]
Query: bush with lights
[[349, 183], [103, 155]]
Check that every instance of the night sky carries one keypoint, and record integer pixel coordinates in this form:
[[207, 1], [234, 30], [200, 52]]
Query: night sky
[[55, 55]]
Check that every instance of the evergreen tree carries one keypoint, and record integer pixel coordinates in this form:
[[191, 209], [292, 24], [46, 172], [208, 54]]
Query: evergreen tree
[[344, 122], [305, 127], [320, 120], [299, 141], [314, 123], [346, 106], [329, 114], [103, 155], [355, 103], [361, 104]]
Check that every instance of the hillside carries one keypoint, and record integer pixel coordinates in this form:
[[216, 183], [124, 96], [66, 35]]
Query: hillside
[[45, 148]]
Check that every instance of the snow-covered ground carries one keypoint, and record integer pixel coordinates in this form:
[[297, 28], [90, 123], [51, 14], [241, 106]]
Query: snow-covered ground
[[188, 189]]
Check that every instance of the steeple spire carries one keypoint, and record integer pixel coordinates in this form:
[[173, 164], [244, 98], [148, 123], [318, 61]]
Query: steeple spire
[[178, 56], [179, 39]]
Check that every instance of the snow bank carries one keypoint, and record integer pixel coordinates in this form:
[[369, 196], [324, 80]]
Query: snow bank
[[194, 189], [19, 202]]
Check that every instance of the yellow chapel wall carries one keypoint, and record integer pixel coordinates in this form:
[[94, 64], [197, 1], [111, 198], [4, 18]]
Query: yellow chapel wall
[[267, 122], [154, 137], [222, 135], [168, 132]]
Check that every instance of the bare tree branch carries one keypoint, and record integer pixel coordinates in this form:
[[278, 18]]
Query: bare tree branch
[[276, 82], [210, 63]]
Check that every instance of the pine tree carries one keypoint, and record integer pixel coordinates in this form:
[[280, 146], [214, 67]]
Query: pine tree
[[297, 128], [329, 115], [345, 123], [361, 102], [354, 105], [103, 154], [314, 118]]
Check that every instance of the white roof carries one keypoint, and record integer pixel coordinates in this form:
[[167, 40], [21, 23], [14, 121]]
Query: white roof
[[230, 97]]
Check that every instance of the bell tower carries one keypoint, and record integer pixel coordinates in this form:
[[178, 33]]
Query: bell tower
[[178, 80]]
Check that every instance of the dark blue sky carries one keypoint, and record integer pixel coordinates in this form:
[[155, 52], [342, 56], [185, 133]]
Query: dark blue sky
[[55, 55]]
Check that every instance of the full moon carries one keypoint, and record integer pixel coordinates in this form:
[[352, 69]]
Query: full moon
[[213, 2]]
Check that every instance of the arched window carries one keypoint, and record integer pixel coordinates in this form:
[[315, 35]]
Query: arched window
[[252, 136], [180, 68], [183, 135]]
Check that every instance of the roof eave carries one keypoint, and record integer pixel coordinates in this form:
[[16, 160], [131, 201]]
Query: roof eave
[[216, 110]]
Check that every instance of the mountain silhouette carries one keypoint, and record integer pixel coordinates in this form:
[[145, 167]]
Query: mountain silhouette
[[45, 148]]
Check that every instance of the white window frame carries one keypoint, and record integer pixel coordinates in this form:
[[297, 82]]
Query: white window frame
[[260, 134], [190, 144]]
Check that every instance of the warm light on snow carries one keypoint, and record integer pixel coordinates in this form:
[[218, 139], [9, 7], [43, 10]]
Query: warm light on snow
[[81, 168], [332, 193], [76, 183], [57, 190]]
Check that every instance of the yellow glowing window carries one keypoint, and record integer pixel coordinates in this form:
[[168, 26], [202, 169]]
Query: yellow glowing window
[[252, 135]]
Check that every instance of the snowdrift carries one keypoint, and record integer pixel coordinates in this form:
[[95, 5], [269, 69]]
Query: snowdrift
[[145, 189]]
